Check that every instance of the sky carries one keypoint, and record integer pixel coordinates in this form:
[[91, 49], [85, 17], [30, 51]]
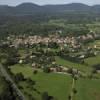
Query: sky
[[43, 2]]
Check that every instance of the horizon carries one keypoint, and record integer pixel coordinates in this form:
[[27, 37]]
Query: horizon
[[46, 4], [52, 2]]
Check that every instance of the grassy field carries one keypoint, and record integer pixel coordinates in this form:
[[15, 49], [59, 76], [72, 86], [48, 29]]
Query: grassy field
[[93, 60], [56, 85], [87, 89], [81, 67]]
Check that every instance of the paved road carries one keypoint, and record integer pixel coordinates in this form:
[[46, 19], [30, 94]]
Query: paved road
[[8, 78]]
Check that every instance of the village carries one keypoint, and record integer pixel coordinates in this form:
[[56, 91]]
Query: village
[[52, 54], [49, 50], [74, 42], [73, 49]]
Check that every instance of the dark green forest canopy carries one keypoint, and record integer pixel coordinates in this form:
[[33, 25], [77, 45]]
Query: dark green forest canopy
[[70, 23]]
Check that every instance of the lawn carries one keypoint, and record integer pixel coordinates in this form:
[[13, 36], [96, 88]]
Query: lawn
[[81, 67], [87, 89], [56, 85]]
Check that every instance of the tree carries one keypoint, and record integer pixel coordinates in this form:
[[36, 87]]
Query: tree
[[69, 97], [74, 91], [30, 82], [35, 72], [45, 96], [70, 70], [94, 71], [46, 69], [31, 97], [19, 77], [7, 92]]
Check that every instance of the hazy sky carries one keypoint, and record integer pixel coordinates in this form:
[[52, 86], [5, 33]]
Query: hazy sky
[[42, 2]]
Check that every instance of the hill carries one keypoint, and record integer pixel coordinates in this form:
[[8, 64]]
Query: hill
[[31, 8], [68, 7]]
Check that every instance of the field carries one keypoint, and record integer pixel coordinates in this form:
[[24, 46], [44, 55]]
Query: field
[[67, 63], [57, 85], [93, 60], [87, 89]]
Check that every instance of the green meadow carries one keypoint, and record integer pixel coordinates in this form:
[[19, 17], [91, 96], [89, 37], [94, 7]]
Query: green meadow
[[57, 85]]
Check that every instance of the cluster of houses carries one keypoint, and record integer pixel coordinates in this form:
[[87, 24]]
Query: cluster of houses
[[57, 68], [74, 42], [45, 40]]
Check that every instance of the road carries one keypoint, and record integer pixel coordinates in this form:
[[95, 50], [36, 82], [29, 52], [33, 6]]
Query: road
[[73, 86], [14, 86]]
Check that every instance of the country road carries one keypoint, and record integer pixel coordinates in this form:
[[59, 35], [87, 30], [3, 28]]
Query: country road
[[73, 86], [14, 86]]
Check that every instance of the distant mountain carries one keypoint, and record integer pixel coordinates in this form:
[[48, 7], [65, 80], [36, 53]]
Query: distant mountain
[[95, 8], [5, 9], [68, 7], [30, 8]]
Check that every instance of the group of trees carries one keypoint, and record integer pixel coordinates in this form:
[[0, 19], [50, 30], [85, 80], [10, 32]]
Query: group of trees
[[45, 96], [97, 66], [11, 55], [7, 92], [71, 58], [42, 29], [40, 24], [18, 77]]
